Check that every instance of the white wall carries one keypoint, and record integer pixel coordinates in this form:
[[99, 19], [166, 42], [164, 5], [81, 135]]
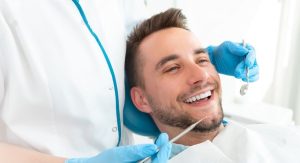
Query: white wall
[[285, 88]]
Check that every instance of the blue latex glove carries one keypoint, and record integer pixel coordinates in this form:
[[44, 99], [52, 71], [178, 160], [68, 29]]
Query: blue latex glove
[[119, 154], [165, 149], [129, 154], [232, 59]]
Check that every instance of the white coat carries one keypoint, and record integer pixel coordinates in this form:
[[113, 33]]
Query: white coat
[[260, 143], [56, 90]]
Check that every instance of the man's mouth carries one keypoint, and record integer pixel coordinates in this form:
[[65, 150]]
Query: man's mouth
[[200, 97]]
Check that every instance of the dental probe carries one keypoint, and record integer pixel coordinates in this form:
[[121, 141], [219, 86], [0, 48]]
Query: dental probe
[[244, 87], [145, 160]]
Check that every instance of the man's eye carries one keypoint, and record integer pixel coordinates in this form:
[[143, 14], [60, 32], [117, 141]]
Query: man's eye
[[203, 61], [172, 69]]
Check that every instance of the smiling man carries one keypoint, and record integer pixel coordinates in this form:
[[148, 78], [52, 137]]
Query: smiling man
[[172, 78], [180, 86], [175, 81]]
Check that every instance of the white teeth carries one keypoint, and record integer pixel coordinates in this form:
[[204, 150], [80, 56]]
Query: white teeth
[[198, 97], [194, 98]]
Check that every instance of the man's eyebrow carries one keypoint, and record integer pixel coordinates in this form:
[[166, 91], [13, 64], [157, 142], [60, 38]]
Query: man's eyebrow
[[165, 60], [200, 50]]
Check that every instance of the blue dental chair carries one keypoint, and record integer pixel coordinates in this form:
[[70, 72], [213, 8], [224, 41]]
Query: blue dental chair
[[137, 121]]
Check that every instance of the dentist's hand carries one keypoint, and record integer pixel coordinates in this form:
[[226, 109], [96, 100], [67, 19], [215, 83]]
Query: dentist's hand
[[122, 154], [164, 149], [232, 59], [129, 154]]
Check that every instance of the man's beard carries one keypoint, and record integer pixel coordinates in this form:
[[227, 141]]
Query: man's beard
[[174, 117]]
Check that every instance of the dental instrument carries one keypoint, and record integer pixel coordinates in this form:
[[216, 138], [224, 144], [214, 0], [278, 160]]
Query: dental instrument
[[147, 159], [244, 87]]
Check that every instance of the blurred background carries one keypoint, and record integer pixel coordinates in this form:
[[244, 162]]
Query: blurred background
[[273, 28]]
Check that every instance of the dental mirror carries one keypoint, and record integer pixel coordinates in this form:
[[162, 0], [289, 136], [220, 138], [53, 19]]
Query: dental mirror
[[244, 87]]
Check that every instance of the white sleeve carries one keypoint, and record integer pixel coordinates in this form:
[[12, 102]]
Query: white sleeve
[[134, 12], [5, 39], [1, 85], [1, 57]]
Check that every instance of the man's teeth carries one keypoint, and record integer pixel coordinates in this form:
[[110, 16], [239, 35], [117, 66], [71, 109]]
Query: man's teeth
[[198, 97]]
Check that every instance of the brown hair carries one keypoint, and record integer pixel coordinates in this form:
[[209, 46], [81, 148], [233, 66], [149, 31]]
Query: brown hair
[[170, 18]]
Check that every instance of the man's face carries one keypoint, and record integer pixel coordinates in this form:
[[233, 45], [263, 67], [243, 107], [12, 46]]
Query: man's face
[[181, 85]]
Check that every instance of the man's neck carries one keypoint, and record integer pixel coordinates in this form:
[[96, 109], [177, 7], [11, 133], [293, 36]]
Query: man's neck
[[193, 138]]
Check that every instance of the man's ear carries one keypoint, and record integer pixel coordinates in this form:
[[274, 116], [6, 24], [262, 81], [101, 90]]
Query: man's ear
[[139, 100]]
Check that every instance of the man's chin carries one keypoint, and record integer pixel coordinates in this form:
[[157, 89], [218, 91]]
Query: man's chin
[[209, 125]]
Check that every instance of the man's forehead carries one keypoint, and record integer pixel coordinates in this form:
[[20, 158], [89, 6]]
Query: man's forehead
[[167, 35], [169, 40]]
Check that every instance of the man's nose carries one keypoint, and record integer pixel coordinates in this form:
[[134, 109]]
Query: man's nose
[[197, 74]]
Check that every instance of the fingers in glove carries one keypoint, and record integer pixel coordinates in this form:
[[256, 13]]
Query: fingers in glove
[[165, 149], [253, 74], [236, 48], [164, 153], [135, 152], [240, 72], [252, 78], [250, 57], [162, 139]]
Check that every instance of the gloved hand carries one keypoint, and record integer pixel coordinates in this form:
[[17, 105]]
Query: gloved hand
[[165, 149], [232, 59], [134, 153]]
